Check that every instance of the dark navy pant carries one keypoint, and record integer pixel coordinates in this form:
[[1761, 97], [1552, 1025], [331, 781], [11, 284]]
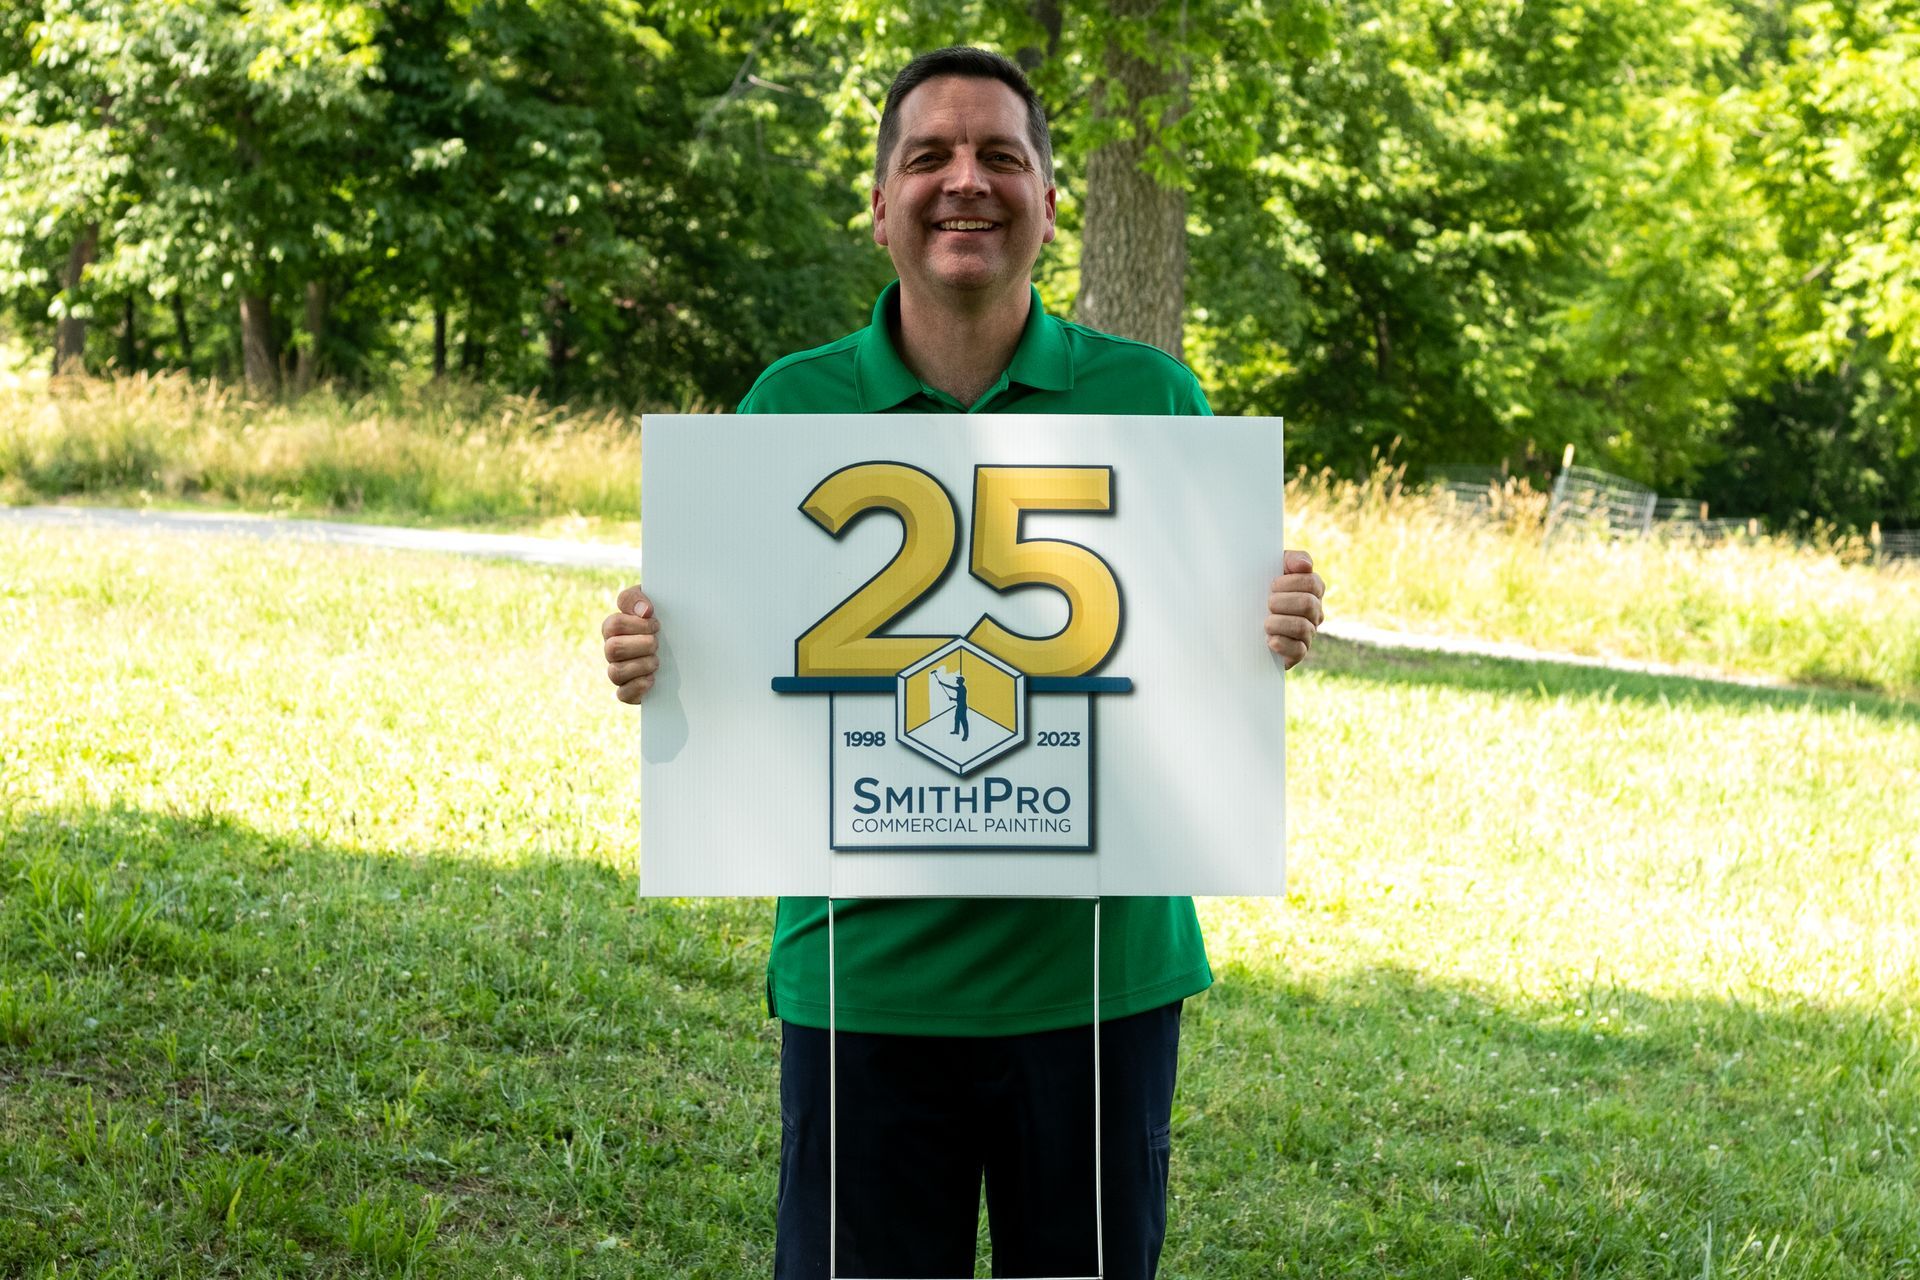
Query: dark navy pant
[[924, 1119]]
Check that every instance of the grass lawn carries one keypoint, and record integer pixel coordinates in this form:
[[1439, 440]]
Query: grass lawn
[[320, 955]]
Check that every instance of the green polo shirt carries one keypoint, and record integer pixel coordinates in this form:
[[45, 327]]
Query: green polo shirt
[[981, 966]]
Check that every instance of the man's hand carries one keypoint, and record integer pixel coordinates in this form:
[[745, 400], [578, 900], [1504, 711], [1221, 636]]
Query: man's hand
[[1293, 608], [633, 645]]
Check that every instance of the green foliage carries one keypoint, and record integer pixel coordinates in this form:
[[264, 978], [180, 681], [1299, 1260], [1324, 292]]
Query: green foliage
[[1437, 223], [600, 198], [1480, 228], [1833, 148], [1837, 151], [1822, 448]]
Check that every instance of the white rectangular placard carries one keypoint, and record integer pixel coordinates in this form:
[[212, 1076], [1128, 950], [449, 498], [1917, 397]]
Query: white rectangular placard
[[910, 655]]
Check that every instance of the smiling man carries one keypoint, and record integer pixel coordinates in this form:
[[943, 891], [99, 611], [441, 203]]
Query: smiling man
[[962, 200], [964, 1047]]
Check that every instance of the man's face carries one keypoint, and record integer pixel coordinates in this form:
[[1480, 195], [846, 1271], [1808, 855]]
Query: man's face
[[963, 160]]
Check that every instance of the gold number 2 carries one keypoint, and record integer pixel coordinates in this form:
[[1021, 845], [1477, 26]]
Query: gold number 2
[[844, 644]]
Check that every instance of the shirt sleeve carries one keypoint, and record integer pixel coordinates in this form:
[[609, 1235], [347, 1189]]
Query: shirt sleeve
[[1193, 401], [755, 401]]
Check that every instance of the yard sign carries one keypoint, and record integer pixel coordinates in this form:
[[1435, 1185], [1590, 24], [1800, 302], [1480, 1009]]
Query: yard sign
[[962, 655]]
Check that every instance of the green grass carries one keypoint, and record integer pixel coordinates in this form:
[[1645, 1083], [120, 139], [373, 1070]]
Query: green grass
[[1812, 614], [320, 955]]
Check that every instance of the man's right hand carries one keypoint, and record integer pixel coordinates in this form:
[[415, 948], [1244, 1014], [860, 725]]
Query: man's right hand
[[633, 645]]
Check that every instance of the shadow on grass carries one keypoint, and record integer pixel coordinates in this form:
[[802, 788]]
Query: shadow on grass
[[1391, 1124], [219, 1043], [226, 1050], [1526, 677]]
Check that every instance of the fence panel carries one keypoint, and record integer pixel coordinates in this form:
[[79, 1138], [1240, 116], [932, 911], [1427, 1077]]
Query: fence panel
[[1474, 490], [1590, 498], [1897, 544]]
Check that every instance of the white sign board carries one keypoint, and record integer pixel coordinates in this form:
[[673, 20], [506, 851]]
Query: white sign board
[[962, 656]]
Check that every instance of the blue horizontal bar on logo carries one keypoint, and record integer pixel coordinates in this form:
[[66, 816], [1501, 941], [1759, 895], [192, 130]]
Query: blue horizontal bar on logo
[[1079, 684], [833, 684], [884, 684]]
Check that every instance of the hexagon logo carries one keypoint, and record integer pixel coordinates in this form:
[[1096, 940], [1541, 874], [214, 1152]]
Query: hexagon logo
[[960, 706]]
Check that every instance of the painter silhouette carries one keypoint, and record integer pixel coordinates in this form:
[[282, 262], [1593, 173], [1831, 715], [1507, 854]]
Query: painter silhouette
[[958, 692]]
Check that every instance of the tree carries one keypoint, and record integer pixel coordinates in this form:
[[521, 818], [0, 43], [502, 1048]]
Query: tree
[[1133, 257], [212, 146], [1420, 248], [1833, 149], [60, 179]]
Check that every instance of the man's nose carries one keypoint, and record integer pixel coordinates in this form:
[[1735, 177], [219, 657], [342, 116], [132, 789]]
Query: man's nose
[[964, 175]]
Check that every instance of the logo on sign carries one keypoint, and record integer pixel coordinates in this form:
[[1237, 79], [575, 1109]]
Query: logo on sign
[[902, 772], [960, 707]]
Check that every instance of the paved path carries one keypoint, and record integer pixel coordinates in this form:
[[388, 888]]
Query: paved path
[[1382, 638], [579, 555], [591, 556]]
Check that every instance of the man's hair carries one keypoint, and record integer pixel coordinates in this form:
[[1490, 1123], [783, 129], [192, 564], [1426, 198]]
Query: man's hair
[[975, 64]]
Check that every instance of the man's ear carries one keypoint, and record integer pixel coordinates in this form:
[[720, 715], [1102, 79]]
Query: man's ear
[[880, 218], [1051, 193]]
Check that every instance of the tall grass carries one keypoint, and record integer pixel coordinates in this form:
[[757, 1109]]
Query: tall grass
[[453, 452], [1769, 606], [1811, 612]]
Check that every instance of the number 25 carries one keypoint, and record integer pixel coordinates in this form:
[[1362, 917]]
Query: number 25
[[844, 642]]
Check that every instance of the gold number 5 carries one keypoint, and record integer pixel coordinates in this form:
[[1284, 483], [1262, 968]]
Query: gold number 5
[[1003, 560]]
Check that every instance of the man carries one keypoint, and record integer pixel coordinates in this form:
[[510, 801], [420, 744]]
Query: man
[[958, 692], [964, 1047]]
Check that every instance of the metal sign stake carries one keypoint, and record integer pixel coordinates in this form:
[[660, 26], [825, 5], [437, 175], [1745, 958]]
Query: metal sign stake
[[833, 1117]]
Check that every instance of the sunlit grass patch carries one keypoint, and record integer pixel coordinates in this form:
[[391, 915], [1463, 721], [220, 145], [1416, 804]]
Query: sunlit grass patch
[[1580, 973]]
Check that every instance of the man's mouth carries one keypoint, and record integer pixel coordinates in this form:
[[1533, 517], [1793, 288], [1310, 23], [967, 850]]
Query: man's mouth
[[965, 224]]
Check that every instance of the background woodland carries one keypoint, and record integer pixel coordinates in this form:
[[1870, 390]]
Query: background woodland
[[1682, 237]]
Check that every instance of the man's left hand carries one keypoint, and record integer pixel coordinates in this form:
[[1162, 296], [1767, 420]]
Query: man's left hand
[[1293, 608]]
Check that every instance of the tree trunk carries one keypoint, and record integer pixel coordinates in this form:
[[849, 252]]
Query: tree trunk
[[307, 368], [129, 338], [180, 330], [261, 365], [473, 352], [557, 350], [1047, 14], [1133, 256], [70, 335], [439, 343]]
